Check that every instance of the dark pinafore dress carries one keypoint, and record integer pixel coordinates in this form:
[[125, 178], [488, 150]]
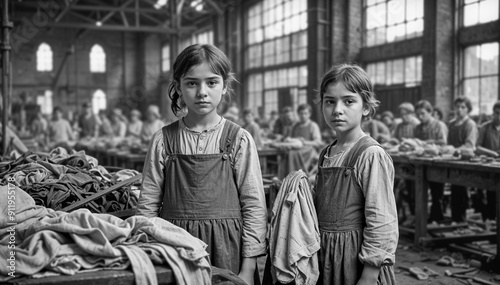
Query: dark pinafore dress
[[340, 206], [201, 196]]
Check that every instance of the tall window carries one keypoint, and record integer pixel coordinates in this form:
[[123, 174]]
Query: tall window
[[165, 58], [263, 88], [205, 37], [479, 11], [98, 101], [392, 20], [276, 33], [97, 59], [403, 71], [480, 76], [45, 102], [44, 58]]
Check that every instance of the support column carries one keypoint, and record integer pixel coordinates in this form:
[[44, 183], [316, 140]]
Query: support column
[[318, 56], [438, 53]]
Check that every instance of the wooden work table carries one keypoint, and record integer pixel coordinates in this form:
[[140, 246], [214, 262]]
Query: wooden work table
[[456, 172]]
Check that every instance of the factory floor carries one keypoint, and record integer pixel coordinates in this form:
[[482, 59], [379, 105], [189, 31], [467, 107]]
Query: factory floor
[[407, 256]]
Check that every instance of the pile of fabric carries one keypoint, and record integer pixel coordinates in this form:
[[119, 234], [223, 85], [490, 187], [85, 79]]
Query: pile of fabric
[[38, 240], [59, 179]]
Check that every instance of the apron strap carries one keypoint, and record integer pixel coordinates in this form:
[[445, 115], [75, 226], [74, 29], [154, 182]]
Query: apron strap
[[171, 137], [228, 136], [363, 143]]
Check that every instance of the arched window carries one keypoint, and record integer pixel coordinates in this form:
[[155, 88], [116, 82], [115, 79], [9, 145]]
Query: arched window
[[97, 59], [98, 101], [45, 102], [44, 58]]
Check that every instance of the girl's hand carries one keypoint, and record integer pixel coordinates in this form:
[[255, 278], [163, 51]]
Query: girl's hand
[[369, 275], [366, 281], [248, 269], [247, 277]]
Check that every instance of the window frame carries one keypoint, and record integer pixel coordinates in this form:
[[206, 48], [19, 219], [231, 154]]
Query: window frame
[[44, 62], [386, 26], [92, 59]]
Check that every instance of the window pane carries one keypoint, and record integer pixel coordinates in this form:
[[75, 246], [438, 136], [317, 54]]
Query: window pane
[[471, 14], [372, 21], [393, 20], [397, 71], [388, 78], [381, 73], [282, 78], [414, 9], [488, 10], [279, 13], [471, 61], [419, 68], [489, 59], [381, 34], [293, 75], [380, 14], [489, 93], [97, 59], [410, 70], [44, 58], [303, 76], [471, 91], [396, 12], [370, 37], [371, 71]]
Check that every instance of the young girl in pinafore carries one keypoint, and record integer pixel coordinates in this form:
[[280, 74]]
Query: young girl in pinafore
[[354, 188], [202, 172]]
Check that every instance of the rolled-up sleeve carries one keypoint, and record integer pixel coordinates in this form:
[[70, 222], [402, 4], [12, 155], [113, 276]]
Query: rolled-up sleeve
[[381, 234], [252, 198], [471, 134], [151, 196]]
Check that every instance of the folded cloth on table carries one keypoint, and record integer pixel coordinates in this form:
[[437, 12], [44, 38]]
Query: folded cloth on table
[[43, 236]]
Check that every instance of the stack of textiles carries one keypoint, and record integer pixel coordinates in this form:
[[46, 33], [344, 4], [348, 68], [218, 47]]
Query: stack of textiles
[[59, 179], [48, 242]]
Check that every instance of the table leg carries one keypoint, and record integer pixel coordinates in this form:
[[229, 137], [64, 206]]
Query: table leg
[[420, 204]]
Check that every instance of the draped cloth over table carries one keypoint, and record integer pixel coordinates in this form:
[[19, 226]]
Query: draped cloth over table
[[68, 242]]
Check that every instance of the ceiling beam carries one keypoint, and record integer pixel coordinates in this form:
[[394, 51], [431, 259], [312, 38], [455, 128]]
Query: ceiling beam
[[103, 8], [215, 6], [111, 13], [154, 19], [124, 19], [114, 9], [148, 29], [85, 18], [65, 10]]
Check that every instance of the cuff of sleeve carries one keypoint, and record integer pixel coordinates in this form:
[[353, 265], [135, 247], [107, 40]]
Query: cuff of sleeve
[[375, 256], [254, 250]]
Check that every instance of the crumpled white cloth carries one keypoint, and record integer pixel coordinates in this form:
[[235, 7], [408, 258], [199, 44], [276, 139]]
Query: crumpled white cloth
[[294, 239], [47, 239]]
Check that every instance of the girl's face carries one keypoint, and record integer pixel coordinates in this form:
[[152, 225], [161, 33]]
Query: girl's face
[[343, 110], [423, 115], [461, 110], [201, 89]]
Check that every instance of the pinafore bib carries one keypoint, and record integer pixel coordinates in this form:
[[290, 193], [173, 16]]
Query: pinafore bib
[[201, 196], [340, 206]]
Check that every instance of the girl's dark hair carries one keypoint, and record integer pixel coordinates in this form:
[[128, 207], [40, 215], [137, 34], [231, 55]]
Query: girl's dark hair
[[465, 100], [424, 104], [195, 55], [355, 80], [439, 112]]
